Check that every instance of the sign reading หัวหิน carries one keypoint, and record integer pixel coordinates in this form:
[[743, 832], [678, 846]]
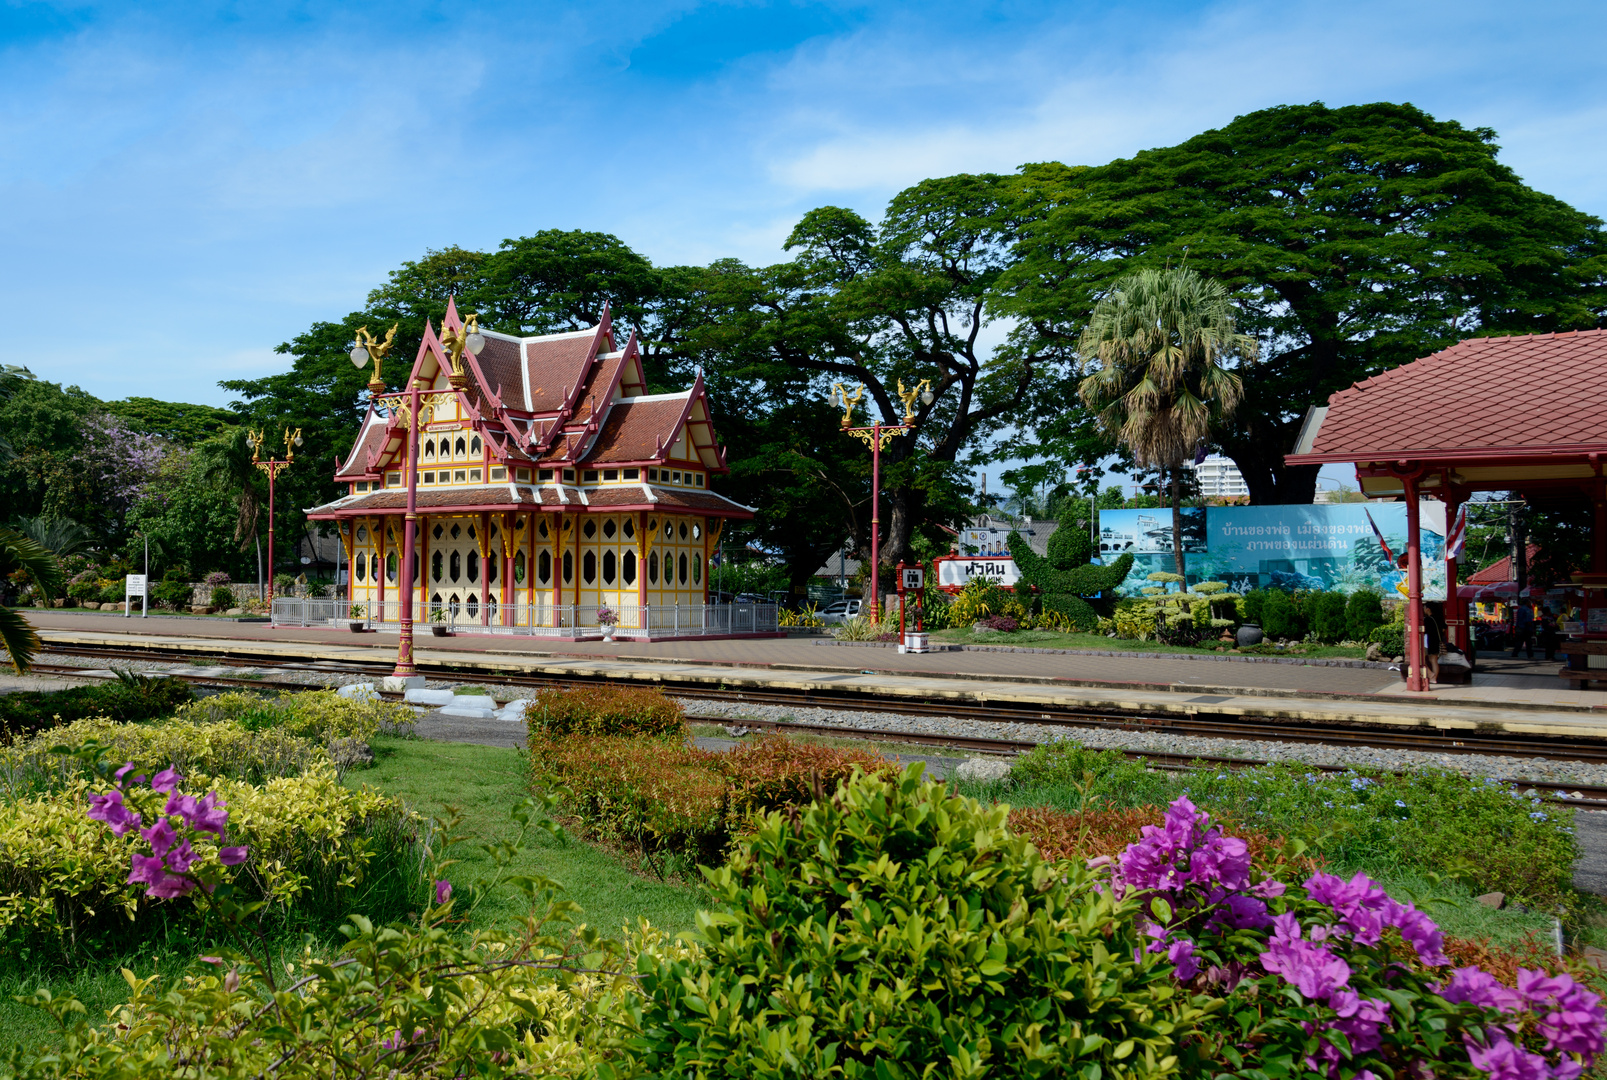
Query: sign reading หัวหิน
[[953, 571]]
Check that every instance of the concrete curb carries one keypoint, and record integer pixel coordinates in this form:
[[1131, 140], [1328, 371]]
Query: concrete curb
[[1314, 661]]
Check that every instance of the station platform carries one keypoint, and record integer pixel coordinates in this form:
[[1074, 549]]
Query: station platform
[[1520, 697]]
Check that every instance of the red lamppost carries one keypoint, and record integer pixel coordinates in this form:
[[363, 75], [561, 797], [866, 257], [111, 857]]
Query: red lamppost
[[273, 469], [876, 437], [407, 409]]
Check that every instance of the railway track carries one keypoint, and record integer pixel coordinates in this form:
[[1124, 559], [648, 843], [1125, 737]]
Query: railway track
[[1577, 795], [1201, 721]]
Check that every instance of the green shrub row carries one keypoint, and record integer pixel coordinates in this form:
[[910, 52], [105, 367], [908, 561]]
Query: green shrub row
[[133, 698], [1328, 616]]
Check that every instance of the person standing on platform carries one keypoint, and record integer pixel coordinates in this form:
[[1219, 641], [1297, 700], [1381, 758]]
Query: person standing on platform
[[1548, 634], [1522, 629], [1433, 640]]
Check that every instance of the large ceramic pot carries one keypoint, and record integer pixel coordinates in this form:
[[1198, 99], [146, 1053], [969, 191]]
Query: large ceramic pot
[[1249, 634], [608, 633]]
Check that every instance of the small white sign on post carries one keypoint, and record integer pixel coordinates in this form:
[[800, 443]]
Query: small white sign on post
[[134, 585], [914, 579]]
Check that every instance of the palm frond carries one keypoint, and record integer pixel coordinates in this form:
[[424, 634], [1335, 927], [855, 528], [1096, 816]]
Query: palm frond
[[19, 552], [20, 639]]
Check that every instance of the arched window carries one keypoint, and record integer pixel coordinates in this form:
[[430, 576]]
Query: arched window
[[588, 567], [436, 532], [697, 532], [362, 566], [462, 448], [390, 567], [608, 529], [669, 530], [683, 532], [569, 567], [629, 528], [697, 571], [519, 568], [652, 568], [544, 567], [454, 566], [608, 567], [541, 528], [590, 529], [435, 565], [474, 565], [362, 534], [473, 605], [474, 447], [456, 531], [630, 568], [683, 568], [491, 567], [429, 449]]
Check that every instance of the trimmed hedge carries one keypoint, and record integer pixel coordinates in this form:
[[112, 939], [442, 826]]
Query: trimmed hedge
[[604, 710]]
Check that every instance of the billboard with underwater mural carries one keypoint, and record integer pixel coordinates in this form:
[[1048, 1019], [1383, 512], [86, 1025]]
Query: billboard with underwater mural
[[1318, 546]]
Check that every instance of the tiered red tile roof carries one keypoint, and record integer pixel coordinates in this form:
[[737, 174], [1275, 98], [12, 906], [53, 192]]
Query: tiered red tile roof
[[1537, 393], [556, 401]]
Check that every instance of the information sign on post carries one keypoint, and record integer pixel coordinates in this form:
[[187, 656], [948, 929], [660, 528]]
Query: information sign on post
[[914, 579], [134, 585]]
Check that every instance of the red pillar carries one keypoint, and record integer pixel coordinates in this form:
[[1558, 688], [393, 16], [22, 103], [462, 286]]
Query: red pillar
[[485, 567], [1414, 591], [1598, 531], [509, 594]]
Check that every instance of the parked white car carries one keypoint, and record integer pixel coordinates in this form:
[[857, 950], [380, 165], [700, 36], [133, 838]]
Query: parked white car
[[840, 612]]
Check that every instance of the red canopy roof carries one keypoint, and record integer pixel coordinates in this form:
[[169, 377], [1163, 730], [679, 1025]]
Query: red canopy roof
[[1500, 570]]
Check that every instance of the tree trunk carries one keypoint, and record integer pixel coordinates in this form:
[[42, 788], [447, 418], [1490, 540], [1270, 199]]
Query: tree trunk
[[1177, 526]]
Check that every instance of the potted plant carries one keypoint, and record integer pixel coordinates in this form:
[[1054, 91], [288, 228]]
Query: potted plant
[[438, 625], [607, 618], [356, 617]]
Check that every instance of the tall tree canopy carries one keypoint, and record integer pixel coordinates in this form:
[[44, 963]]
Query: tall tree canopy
[[1354, 239]]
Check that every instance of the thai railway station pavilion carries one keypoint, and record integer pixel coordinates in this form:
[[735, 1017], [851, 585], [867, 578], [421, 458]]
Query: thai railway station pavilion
[[551, 489]]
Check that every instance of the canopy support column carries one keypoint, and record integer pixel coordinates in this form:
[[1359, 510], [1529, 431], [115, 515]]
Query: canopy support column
[[1598, 529], [1456, 608], [1415, 679]]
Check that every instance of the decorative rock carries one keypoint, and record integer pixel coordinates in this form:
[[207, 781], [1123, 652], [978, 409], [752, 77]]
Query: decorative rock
[[1495, 901], [59, 602], [361, 691], [1596, 958], [983, 769], [199, 609], [397, 684], [351, 753], [417, 695], [468, 712], [235, 611], [474, 701], [513, 710], [1375, 651]]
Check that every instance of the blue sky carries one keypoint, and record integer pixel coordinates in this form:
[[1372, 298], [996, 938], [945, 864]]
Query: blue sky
[[186, 186]]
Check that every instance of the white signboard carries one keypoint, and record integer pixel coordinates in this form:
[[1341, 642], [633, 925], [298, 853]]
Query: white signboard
[[985, 541], [914, 579], [136, 585], [954, 573]]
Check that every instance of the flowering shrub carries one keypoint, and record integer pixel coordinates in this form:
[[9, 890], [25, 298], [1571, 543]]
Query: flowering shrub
[[604, 710], [64, 881], [1337, 976], [215, 579], [607, 617], [1002, 623]]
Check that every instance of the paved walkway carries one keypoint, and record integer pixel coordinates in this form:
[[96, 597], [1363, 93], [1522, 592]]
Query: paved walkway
[[1516, 698]]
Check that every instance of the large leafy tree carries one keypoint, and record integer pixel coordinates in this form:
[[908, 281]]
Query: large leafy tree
[[1354, 239], [1163, 340], [904, 300]]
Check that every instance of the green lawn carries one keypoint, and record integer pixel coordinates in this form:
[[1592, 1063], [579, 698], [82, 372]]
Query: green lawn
[[485, 783], [1050, 639]]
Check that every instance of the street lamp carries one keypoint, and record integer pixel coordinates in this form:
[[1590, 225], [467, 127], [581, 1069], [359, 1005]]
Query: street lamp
[[876, 437], [407, 409], [273, 468]]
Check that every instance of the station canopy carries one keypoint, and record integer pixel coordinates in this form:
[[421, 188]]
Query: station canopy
[[1525, 413]]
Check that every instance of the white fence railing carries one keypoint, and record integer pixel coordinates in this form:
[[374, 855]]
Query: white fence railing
[[539, 620]]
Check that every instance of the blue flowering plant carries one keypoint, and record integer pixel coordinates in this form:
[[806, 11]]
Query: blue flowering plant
[[1335, 978]]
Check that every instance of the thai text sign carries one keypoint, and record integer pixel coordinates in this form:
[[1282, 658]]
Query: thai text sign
[[954, 572]]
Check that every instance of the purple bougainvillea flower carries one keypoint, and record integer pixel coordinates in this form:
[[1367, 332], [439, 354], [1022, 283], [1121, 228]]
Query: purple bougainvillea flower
[[160, 836], [1364, 909], [209, 815], [1505, 1060], [180, 857], [1570, 1018], [443, 891], [232, 856], [110, 809], [170, 887], [1181, 955], [146, 870], [124, 771], [166, 780], [1308, 966], [1475, 985]]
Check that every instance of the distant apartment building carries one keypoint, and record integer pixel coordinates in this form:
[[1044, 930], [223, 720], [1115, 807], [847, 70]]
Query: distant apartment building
[[1218, 476]]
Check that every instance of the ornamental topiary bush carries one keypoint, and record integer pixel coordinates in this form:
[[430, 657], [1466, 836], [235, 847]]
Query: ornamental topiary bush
[[891, 930], [1328, 616], [1364, 612], [1066, 583], [605, 710]]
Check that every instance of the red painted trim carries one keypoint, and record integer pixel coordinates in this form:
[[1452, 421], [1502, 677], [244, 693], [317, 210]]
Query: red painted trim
[[1563, 453]]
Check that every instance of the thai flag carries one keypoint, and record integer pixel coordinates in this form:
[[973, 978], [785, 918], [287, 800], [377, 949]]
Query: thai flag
[[1388, 554], [1456, 539]]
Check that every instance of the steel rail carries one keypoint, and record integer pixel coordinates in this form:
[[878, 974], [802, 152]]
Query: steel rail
[[1199, 723]]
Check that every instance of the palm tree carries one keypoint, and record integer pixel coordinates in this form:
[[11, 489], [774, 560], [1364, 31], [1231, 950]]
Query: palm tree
[[18, 553], [1161, 338], [228, 462], [61, 536]]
